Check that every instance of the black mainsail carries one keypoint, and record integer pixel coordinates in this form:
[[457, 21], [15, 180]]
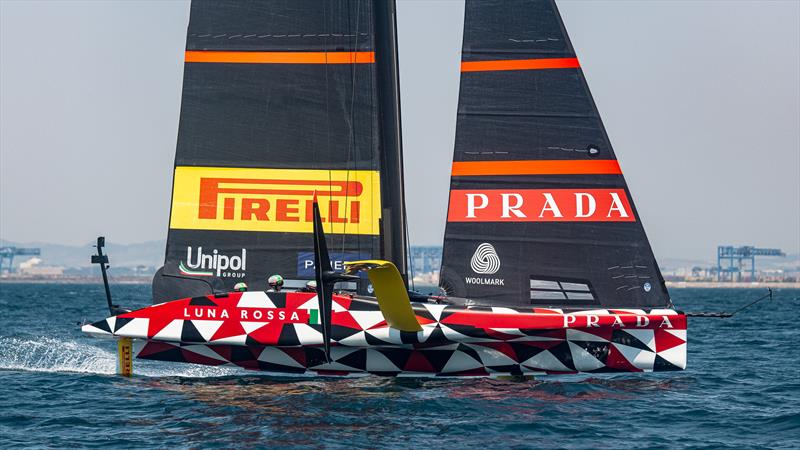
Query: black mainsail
[[283, 99], [539, 210]]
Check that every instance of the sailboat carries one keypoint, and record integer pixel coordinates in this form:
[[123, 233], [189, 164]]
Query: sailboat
[[289, 161]]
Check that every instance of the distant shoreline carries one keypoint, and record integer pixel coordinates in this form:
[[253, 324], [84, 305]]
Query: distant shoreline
[[729, 285], [75, 280], [148, 280]]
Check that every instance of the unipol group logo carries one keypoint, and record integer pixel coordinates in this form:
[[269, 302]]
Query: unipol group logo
[[279, 200], [485, 260], [201, 264]]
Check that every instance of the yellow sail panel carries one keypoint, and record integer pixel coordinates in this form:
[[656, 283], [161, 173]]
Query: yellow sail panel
[[277, 200]]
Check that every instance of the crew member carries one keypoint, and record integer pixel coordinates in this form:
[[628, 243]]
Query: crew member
[[240, 287], [311, 286], [275, 283]]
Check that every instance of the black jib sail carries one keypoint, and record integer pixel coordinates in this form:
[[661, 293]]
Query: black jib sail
[[539, 211], [283, 99]]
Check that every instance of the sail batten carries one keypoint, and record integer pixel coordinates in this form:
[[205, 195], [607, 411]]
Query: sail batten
[[537, 195]]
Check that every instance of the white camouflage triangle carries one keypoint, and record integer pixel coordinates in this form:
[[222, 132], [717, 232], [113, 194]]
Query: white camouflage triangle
[[675, 355], [435, 310], [207, 328], [276, 356], [357, 340], [306, 334], [135, 328], [255, 299], [313, 303], [493, 357], [171, 332], [377, 361], [460, 361], [583, 360], [545, 360], [641, 359], [578, 335], [249, 327], [646, 336], [367, 319]]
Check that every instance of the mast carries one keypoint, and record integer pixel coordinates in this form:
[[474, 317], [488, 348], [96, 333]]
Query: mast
[[394, 243]]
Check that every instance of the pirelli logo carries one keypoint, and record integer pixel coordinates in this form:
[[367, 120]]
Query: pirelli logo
[[278, 200]]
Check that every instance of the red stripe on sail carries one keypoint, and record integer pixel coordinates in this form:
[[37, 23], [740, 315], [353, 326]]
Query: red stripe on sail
[[520, 64], [194, 56], [539, 167]]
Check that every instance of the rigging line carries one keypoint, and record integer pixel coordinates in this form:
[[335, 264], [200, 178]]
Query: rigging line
[[351, 142], [408, 253], [725, 315], [328, 118]]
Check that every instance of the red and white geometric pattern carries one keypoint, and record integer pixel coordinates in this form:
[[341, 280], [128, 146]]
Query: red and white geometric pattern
[[280, 332]]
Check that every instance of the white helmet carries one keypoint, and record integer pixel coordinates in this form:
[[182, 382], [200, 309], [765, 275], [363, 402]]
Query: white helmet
[[275, 282]]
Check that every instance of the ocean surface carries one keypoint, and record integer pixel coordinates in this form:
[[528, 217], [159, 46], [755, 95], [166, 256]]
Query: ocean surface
[[58, 389]]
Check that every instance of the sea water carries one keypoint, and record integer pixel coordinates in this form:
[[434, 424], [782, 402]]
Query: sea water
[[58, 389]]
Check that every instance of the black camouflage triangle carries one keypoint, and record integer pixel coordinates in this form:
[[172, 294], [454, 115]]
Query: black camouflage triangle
[[398, 356], [103, 325], [273, 367], [201, 301], [121, 322], [356, 359], [621, 337], [525, 352], [563, 353], [189, 333], [437, 358], [661, 364], [598, 350]]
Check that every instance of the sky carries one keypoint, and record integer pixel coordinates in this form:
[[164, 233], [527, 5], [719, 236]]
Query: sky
[[701, 101]]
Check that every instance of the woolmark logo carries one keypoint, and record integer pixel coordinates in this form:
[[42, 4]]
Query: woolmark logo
[[485, 260], [206, 265]]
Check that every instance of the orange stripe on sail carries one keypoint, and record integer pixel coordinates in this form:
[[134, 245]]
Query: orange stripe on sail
[[520, 64], [543, 167], [196, 56]]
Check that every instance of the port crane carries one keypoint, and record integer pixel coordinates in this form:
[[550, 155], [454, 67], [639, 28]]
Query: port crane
[[7, 254], [735, 259]]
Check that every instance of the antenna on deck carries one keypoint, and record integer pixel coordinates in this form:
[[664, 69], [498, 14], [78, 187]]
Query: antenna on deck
[[102, 259]]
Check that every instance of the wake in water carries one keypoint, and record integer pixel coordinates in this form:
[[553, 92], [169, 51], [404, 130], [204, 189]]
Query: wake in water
[[47, 354], [53, 355]]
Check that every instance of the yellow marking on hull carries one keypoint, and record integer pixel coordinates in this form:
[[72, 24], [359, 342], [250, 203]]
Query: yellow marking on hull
[[125, 357]]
